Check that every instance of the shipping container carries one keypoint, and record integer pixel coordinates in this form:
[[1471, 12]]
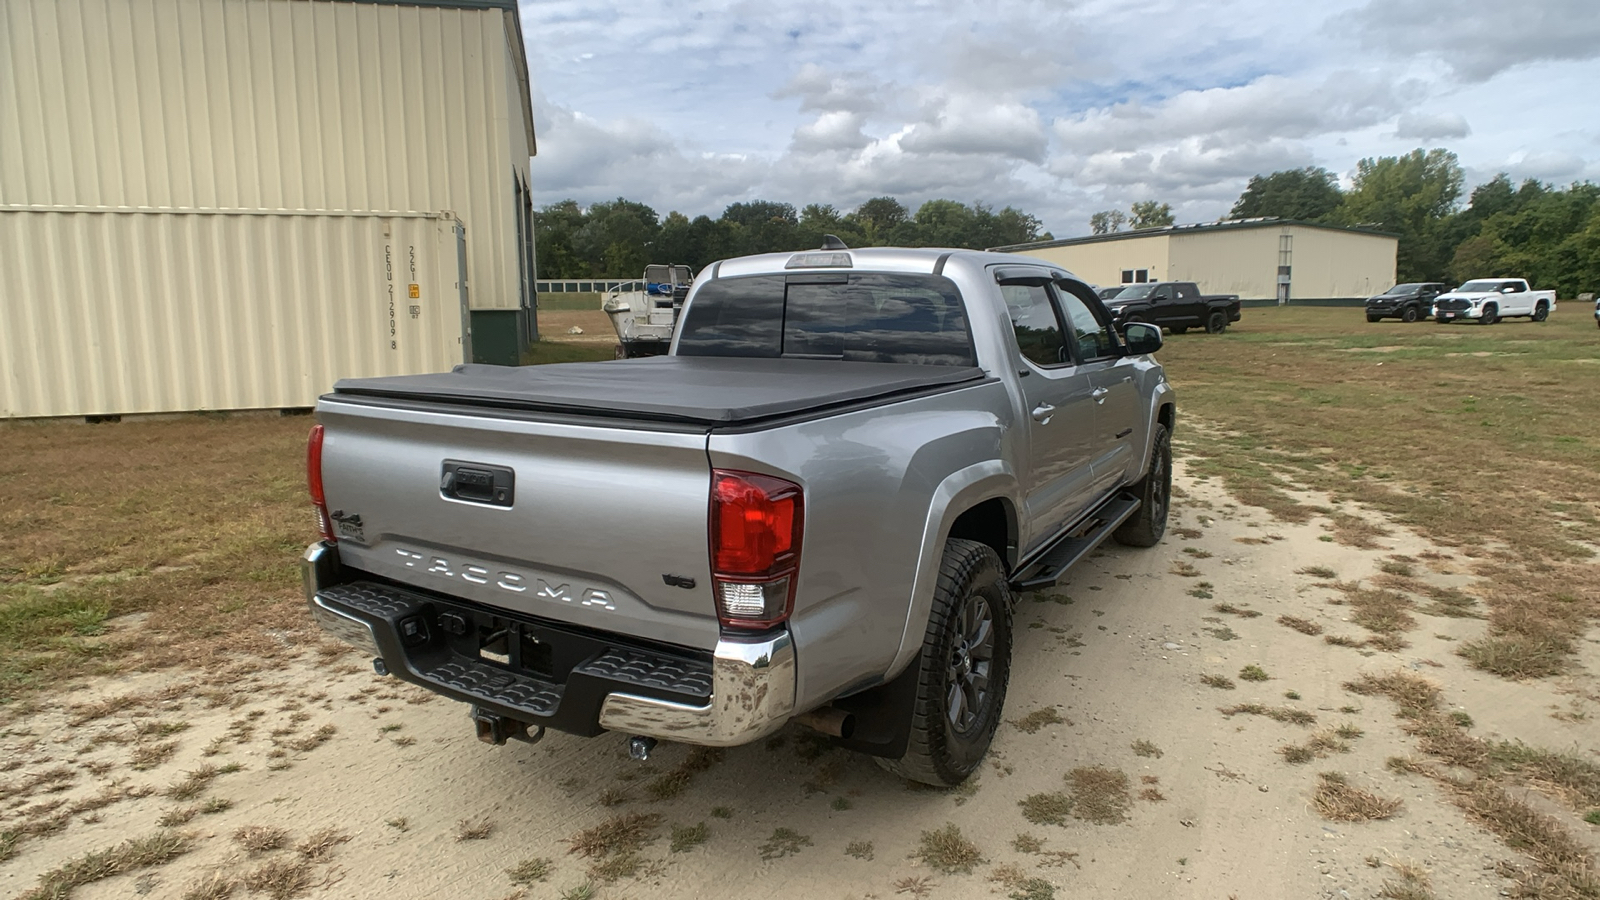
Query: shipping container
[[207, 107], [113, 313]]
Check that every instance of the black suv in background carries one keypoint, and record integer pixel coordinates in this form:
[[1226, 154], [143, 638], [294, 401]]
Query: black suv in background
[[1406, 302]]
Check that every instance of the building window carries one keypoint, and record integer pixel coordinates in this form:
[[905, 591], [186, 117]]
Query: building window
[[1135, 276]]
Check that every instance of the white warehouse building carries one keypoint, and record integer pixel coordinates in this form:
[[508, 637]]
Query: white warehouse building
[[230, 204]]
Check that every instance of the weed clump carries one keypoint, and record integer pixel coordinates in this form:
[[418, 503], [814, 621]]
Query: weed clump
[[1099, 794], [1221, 682], [1253, 673], [947, 850], [688, 837], [784, 842], [1038, 719], [618, 834], [1337, 801], [1304, 626], [1051, 808]]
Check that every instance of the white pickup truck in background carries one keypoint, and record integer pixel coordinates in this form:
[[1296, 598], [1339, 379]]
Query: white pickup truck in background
[[1488, 300]]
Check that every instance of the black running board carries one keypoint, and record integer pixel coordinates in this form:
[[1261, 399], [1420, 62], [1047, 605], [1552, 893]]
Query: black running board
[[1052, 565]]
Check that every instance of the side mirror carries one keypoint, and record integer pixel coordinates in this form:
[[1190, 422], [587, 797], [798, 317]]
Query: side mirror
[[1508, 289], [1142, 338]]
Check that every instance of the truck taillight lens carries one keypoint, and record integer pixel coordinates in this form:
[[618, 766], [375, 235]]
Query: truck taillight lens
[[756, 525], [314, 483]]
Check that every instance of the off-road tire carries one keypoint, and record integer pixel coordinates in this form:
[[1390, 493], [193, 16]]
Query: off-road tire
[[1154, 490], [1491, 315], [1410, 315], [1217, 322], [938, 754], [1541, 312], [1374, 318]]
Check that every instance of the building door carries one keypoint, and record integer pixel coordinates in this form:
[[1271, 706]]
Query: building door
[[461, 288]]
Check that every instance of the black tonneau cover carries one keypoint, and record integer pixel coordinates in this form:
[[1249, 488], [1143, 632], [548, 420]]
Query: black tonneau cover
[[713, 391]]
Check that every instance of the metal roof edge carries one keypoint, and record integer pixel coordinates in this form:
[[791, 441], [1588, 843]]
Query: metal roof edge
[[1197, 228]]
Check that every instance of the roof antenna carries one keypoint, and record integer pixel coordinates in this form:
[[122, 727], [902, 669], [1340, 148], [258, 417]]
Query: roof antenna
[[832, 242]]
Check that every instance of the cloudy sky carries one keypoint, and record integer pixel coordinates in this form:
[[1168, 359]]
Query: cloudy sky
[[1059, 108]]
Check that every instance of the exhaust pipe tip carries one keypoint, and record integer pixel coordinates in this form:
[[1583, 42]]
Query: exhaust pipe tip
[[640, 747], [829, 720]]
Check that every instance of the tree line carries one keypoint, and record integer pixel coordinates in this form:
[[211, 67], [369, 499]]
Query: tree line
[[1547, 234], [619, 238]]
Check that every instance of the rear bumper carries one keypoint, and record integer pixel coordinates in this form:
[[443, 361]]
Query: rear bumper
[[552, 675]]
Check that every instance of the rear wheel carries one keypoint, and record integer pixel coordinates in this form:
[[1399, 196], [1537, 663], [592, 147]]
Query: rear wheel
[[1541, 312], [1410, 315], [1217, 322], [964, 667], [1491, 315], [1154, 491]]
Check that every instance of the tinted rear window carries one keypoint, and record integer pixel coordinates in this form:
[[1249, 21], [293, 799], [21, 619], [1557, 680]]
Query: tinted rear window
[[859, 317]]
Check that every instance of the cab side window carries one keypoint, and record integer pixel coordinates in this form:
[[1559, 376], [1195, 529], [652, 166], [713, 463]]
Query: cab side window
[[1034, 323], [1092, 337]]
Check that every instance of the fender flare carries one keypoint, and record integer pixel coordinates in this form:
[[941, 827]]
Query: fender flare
[[957, 493], [1163, 395]]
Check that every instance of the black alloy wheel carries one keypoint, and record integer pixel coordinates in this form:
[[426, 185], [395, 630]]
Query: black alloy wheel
[[971, 659], [1410, 315], [1217, 323]]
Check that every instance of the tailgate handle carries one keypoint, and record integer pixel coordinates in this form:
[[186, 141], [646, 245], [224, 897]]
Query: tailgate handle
[[472, 482]]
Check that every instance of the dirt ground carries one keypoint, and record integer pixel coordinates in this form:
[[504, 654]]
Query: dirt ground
[[1208, 805]]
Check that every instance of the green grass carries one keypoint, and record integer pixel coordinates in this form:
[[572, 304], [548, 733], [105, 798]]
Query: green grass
[[547, 351]]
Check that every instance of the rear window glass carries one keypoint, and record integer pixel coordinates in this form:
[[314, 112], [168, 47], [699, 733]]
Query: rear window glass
[[860, 317]]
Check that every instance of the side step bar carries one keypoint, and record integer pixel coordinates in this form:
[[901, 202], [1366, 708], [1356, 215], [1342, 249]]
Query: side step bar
[[1052, 565]]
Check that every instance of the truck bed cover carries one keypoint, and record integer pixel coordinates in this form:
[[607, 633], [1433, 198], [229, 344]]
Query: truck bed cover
[[709, 391]]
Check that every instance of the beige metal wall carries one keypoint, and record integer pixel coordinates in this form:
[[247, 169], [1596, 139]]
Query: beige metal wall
[[1102, 262], [1340, 263], [268, 105], [1241, 261], [112, 313]]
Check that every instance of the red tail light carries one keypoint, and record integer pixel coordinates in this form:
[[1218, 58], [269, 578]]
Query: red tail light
[[756, 525], [314, 483]]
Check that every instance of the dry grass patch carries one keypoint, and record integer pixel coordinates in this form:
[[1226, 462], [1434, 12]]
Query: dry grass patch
[[1285, 714], [1322, 572], [212, 886], [1354, 531], [196, 781], [1146, 748], [531, 870], [1413, 883], [1254, 673], [1099, 794], [688, 837], [1239, 611], [1049, 808], [1518, 656], [281, 877], [474, 829], [699, 759], [261, 838], [859, 850], [1221, 682], [319, 846], [138, 853], [1304, 626], [784, 842], [148, 756], [1321, 744], [1038, 719], [949, 851], [1564, 867], [1184, 569], [1337, 801], [618, 834]]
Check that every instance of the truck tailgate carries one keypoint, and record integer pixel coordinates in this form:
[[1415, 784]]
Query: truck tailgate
[[584, 523]]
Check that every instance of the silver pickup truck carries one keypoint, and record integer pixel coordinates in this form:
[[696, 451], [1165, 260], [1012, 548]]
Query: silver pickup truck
[[820, 506]]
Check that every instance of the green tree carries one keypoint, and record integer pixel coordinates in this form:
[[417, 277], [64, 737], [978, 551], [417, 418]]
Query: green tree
[[553, 228], [1150, 214], [1310, 194], [1108, 221], [1411, 196], [877, 218]]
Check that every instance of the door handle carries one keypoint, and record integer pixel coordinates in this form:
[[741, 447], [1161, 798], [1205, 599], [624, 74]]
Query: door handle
[[1099, 395], [1042, 413]]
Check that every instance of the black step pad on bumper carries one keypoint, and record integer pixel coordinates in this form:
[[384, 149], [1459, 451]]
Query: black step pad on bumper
[[529, 669]]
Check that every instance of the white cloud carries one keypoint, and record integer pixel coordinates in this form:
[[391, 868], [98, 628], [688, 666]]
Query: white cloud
[[1432, 127], [1059, 108], [1478, 39]]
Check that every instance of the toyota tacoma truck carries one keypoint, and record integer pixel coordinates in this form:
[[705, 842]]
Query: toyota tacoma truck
[[1488, 300], [819, 506], [1174, 305]]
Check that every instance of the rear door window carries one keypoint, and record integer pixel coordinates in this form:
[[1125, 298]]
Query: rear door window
[[1034, 323], [865, 317]]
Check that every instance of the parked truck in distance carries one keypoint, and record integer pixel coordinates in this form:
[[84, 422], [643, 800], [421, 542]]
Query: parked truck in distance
[[820, 506], [1406, 302], [1488, 300], [1175, 305]]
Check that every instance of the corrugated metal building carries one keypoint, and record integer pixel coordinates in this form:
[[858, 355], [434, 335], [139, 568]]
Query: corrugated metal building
[[1258, 259], [228, 204]]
